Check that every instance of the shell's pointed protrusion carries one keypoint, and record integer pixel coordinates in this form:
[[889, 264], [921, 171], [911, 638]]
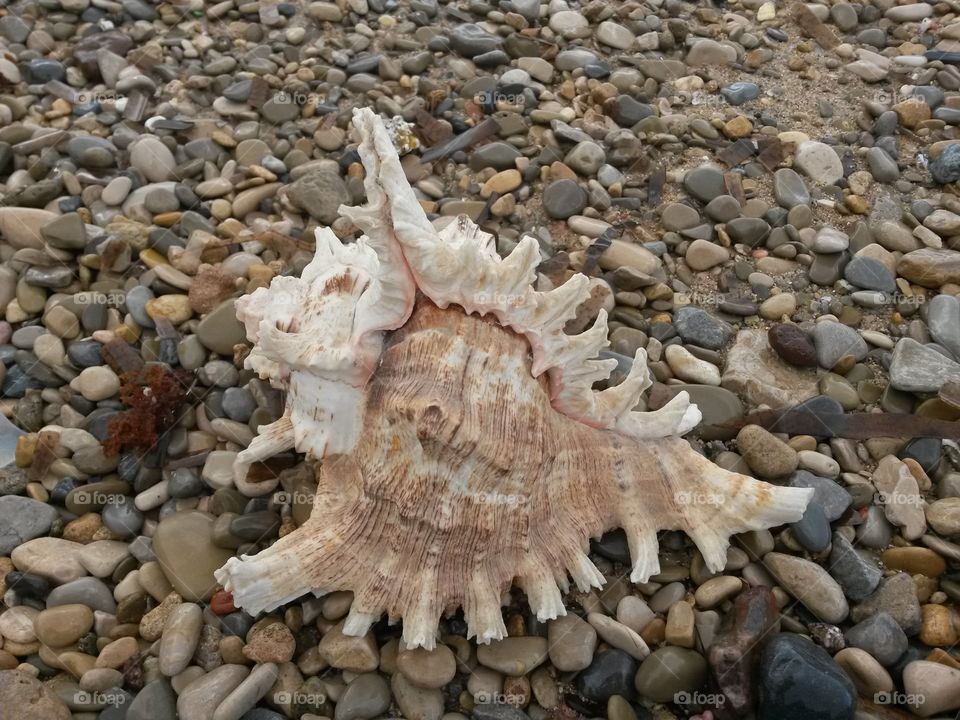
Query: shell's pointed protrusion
[[519, 269], [277, 437], [677, 417], [543, 595], [712, 545], [620, 399], [572, 351], [359, 623], [555, 307], [644, 551], [265, 581], [584, 573], [481, 610], [392, 210], [420, 621]]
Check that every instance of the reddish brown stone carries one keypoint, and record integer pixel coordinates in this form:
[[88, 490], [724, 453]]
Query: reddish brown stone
[[733, 654]]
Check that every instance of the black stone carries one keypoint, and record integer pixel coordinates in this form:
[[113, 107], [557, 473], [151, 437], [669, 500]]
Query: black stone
[[613, 546], [830, 497], [256, 526], [926, 451], [793, 345], [799, 681], [27, 585], [610, 673], [812, 531]]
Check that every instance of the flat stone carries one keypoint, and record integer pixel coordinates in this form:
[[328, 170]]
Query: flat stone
[[929, 267], [819, 162], [917, 368], [156, 701], [870, 274], [21, 227], [810, 584], [698, 327], [184, 548], [200, 697], [789, 188], [689, 368], [181, 633], [572, 642], [153, 159], [670, 671], [834, 340], [513, 655], [22, 519], [755, 371], [704, 183], [767, 455], [710, 52], [219, 330], [703, 255], [63, 625], [943, 319], [564, 198], [55, 559], [830, 240]]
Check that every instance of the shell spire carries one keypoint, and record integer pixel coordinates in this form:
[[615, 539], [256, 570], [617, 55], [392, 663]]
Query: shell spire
[[460, 444]]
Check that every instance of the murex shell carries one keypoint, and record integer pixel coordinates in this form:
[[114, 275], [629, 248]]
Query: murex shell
[[463, 446]]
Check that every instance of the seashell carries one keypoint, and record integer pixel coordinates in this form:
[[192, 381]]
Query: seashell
[[463, 446]]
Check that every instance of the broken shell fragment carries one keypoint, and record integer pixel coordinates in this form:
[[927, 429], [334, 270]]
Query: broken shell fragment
[[462, 446]]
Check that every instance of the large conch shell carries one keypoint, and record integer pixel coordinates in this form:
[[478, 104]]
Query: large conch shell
[[463, 445]]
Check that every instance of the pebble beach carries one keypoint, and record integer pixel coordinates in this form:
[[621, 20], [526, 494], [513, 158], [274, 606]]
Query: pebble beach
[[766, 197]]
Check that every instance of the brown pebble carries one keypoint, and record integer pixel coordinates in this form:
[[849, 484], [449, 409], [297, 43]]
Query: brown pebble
[[274, 643], [941, 626], [914, 560]]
